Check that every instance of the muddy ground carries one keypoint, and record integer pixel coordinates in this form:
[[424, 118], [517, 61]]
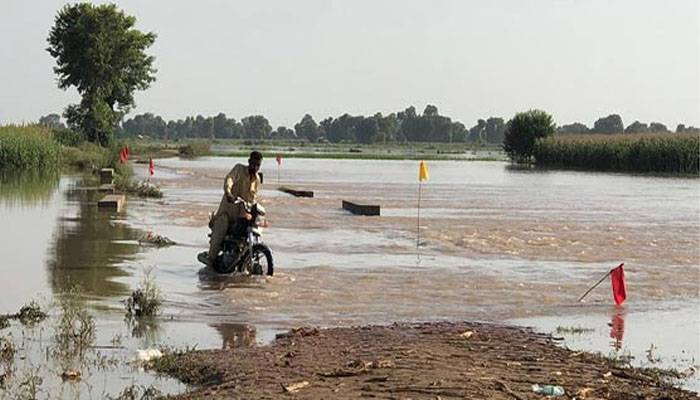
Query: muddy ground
[[411, 361]]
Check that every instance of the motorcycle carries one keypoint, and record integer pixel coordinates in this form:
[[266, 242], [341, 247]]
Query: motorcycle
[[243, 249]]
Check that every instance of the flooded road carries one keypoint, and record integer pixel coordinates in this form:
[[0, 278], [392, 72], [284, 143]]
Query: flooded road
[[497, 244]]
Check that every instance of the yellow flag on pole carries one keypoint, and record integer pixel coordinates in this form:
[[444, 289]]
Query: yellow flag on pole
[[423, 172]]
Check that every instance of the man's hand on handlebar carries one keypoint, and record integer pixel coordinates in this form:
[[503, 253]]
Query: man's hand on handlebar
[[248, 216]]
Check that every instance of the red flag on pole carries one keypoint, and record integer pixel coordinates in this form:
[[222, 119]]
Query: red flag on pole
[[617, 278], [122, 156], [151, 167], [279, 159]]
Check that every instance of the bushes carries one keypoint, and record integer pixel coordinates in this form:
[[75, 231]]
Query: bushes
[[667, 152], [194, 149], [523, 130], [28, 148]]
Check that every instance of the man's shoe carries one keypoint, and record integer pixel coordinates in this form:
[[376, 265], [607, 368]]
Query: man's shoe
[[203, 257]]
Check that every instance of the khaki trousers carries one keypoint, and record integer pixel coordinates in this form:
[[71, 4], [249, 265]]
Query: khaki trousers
[[218, 233]]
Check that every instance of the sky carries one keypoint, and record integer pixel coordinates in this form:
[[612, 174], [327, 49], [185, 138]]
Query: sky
[[576, 59]]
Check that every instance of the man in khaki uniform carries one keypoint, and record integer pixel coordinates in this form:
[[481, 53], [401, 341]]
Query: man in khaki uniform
[[244, 182]]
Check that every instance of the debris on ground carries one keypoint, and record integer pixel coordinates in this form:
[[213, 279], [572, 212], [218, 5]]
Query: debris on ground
[[153, 239], [548, 390], [295, 387]]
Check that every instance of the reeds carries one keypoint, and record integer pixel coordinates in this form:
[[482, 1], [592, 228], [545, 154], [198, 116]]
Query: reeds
[[28, 147], [677, 153]]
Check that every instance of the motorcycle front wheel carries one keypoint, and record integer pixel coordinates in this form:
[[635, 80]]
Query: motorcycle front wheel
[[262, 260]]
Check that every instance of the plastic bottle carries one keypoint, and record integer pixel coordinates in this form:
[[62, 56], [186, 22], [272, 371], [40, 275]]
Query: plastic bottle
[[548, 390]]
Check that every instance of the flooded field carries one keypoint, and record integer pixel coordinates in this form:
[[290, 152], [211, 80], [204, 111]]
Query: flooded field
[[497, 244]]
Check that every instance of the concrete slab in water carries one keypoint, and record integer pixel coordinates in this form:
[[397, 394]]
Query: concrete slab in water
[[296, 192], [360, 209], [112, 202], [106, 176]]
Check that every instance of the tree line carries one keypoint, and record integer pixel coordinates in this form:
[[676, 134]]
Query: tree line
[[612, 124], [403, 126]]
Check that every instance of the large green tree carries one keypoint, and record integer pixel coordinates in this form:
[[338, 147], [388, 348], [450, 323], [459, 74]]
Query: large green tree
[[100, 53], [523, 130]]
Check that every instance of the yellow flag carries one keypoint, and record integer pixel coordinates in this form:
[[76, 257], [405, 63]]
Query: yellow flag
[[423, 172]]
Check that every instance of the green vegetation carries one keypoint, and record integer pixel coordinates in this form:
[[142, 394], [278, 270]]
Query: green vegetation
[[523, 131], [27, 148], [30, 314], [99, 52], [146, 300], [136, 392], [7, 350], [400, 127], [194, 149], [75, 331], [665, 152]]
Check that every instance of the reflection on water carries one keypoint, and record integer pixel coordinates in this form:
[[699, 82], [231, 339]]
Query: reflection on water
[[235, 335], [21, 189], [88, 246], [631, 332], [617, 327]]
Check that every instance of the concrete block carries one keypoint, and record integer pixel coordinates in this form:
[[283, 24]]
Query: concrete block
[[361, 209], [112, 202]]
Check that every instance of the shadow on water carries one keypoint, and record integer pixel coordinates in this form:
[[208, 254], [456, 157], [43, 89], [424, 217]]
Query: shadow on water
[[88, 245]]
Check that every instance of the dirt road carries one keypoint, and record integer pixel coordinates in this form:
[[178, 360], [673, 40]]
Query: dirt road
[[411, 361]]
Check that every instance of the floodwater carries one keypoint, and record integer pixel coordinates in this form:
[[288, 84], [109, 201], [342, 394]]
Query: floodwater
[[497, 244]]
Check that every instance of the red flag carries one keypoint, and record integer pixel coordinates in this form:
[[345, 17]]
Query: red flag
[[279, 159], [617, 277], [122, 156], [151, 167]]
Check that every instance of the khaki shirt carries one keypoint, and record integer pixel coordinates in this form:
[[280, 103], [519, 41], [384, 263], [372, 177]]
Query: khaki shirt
[[238, 184]]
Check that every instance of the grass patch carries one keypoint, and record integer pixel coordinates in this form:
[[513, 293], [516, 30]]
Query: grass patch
[[175, 363], [194, 149], [368, 156], [146, 300], [4, 322]]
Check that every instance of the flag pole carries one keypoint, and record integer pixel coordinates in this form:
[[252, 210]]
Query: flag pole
[[595, 286], [420, 186]]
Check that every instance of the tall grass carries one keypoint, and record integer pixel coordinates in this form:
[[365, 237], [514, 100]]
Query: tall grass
[[27, 148], [663, 152]]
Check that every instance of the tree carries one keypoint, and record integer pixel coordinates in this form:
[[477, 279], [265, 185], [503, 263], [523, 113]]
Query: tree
[[477, 132], [99, 52], [657, 127], [52, 121], [430, 110], [366, 130], [610, 124], [256, 127], [576, 127], [495, 130], [523, 130], [637, 127], [307, 128]]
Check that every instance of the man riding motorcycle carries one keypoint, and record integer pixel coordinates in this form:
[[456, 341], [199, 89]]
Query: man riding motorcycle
[[242, 181]]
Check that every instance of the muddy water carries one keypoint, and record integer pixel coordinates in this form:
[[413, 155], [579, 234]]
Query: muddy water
[[497, 243]]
